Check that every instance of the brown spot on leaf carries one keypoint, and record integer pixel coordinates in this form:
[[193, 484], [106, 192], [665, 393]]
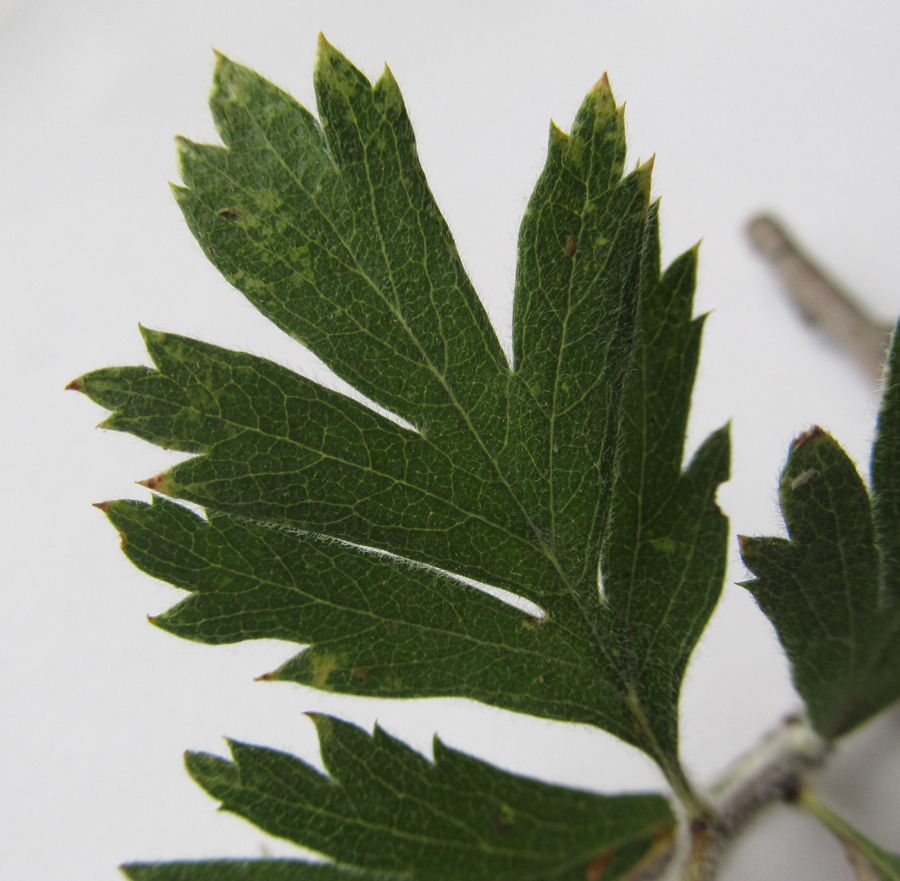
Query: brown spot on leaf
[[501, 826], [597, 866], [812, 434], [571, 246], [361, 673], [158, 483], [229, 213]]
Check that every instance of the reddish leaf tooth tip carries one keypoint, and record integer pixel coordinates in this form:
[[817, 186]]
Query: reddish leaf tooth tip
[[267, 677], [744, 543], [602, 85], [103, 506], [75, 386], [812, 434], [153, 482]]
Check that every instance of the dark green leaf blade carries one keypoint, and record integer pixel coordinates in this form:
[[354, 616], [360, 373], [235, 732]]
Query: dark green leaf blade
[[664, 556], [375, 628], [279, 448], [886, 474], [387, 808], [577, 287], [251, 870], [823, 589], [513, 478], [343, 247]]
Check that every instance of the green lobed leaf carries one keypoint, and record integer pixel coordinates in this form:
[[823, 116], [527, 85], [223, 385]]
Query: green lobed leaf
[[831, 589], [377, 628], [385, 807], [531, 478]]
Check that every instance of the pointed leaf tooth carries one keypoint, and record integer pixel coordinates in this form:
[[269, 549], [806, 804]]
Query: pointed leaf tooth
[[602, 85], [644, 172], [387, 807], [389, 89], [331, 231], [823, 588], [558, 139], [161, 483]]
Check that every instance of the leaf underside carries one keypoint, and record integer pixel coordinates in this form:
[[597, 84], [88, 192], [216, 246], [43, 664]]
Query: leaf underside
[[832, 589]]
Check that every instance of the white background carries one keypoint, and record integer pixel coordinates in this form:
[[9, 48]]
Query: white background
[[787, 105]]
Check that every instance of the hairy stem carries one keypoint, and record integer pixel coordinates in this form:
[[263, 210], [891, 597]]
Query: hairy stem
[[821, 301], [772, 772]]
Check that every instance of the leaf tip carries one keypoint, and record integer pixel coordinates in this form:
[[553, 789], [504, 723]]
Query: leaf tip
[[326, 54], [150, 335], [602, 87], [102, 506], [159, 483], [558, 138], [267, 677], [76, 385], [644, 173], [387, 80], [322, 45], [813, 434], [321, 721], [223, 71]]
